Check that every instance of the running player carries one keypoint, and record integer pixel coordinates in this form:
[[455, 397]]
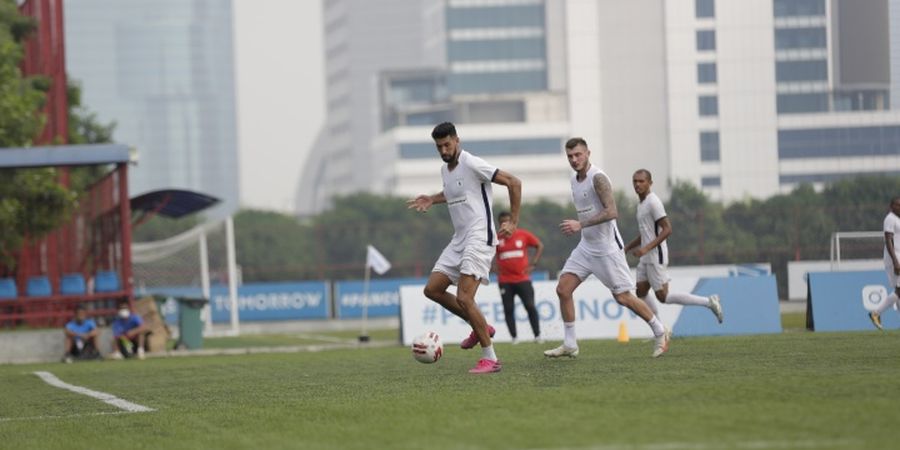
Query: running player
[[466, 261], [650, 246], [891, 259], [600, 251]]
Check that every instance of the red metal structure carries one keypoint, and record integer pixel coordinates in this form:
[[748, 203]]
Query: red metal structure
[[97, 238], [93, 248], [45, 54]]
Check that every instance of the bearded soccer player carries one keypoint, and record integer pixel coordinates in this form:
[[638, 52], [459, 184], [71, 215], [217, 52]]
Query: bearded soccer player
[[466, 261]]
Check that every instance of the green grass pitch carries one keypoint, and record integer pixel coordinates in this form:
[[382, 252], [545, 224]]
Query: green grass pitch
[[787, 391]]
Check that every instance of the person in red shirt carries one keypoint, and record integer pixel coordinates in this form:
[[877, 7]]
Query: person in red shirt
[[515, 275]]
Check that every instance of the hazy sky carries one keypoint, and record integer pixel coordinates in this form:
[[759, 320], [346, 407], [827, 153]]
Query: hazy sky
[[280, 95]]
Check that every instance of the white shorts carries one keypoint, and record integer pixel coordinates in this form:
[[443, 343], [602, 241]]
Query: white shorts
[[612, 269], [655, 273], [893, 279], [474, 260]]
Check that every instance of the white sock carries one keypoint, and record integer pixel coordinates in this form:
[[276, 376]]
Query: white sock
[[488, 353], [569, 340], [687, 299], [651, 302], [657, 326], [890, 302]]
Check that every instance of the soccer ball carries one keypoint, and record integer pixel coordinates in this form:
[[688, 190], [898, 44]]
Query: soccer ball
[[427, 348]]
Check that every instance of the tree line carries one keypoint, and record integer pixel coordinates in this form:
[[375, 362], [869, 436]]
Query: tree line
[[798, 225]]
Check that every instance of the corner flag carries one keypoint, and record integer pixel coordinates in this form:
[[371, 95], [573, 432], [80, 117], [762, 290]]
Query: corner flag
[[377, 261]]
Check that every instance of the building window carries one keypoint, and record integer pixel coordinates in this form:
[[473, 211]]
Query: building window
[[709, 146], [709, 105], [814, 70], [505, 147], [794, 38], [705, 8], [501, 16], [802, 103], [829, 177], [839, 142], [706, 73], [494, 49], [711, 181], [706, 40], [794, 8], [497, 82]]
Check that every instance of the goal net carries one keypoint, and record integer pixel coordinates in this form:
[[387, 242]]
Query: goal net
[[856, 250], [192, 264]]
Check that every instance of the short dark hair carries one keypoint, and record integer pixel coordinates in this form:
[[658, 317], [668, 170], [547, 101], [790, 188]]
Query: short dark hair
[[443, 130], [80, 308], [645, 172], [504, 214], [575, 142], [124, 303]]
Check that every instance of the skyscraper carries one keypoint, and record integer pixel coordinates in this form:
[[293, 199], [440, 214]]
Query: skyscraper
[[395, 69], [755, 97], [163, 70], [363, 38], [495, 47]]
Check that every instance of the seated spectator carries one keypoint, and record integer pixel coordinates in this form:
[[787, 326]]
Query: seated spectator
[[129, 333], [81, 337]]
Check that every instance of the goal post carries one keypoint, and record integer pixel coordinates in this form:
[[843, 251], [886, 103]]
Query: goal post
[[189, 264], [871, 243]]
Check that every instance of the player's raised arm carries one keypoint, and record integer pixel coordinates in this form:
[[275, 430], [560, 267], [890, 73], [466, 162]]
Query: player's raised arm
[[514, 186], [423, 201]]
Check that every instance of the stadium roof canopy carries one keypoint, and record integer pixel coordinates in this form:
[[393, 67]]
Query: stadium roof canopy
[[64, 155], [172, 203]]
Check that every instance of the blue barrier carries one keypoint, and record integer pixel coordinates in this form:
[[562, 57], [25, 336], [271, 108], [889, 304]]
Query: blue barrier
[[840, 301], [257, 301], [750, 304], [384, 295]]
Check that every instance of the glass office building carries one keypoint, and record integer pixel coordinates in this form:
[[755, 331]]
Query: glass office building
[[163, 70], [495, 47]]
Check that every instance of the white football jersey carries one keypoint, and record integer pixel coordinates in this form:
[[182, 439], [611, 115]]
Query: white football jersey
[[601, 239], [467, 189], [649, 211], [892, 225]]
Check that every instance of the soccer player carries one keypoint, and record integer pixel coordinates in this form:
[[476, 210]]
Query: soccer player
[[81, 336], [891, 259], [514, 276], [650, 247], [466, 261], [600, 251]]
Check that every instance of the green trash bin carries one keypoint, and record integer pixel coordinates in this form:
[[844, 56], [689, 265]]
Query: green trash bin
[[190, 322]]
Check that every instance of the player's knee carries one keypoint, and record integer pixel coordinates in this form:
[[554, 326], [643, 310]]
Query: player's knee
[[661, 296], [432, 293]]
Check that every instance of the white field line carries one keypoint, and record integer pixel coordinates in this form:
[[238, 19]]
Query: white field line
[[110, 399]]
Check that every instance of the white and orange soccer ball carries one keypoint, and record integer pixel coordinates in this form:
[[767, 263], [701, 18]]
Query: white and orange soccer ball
[[427, 348]]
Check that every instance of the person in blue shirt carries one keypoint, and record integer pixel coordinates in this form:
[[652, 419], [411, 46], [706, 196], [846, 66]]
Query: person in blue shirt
[[81, 337], [129, 333]]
